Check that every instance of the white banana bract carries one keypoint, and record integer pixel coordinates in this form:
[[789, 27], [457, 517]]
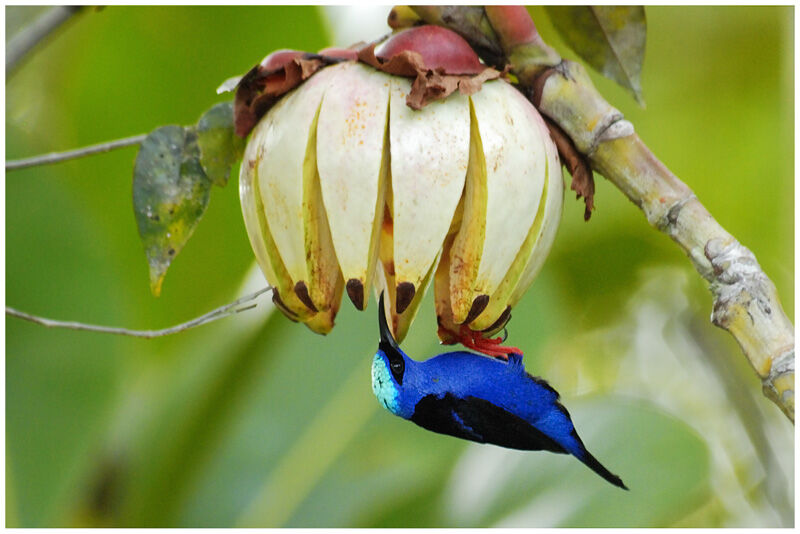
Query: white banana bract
[[430, 154], [353, 160], [345, 187]]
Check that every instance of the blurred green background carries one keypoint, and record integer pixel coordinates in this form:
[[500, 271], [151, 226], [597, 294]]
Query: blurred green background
[[256, 421]]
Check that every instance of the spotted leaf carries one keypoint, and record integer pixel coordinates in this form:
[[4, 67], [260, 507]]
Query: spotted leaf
[[170, 195]]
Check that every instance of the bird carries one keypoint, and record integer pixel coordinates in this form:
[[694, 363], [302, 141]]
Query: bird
[[477, 398]]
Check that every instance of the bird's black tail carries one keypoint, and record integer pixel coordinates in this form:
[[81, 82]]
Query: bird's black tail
[[591, 462], [600, 469]]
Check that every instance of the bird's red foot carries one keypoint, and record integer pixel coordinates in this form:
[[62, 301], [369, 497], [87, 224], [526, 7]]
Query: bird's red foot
[[491, 347]]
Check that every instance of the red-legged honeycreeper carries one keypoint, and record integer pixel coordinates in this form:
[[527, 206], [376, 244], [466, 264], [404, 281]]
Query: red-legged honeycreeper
[[478, 398]]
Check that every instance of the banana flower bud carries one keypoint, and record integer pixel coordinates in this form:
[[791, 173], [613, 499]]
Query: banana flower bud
[[396, 166]]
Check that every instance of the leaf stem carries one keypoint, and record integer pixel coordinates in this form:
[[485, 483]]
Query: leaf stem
[[56, 157], [218, 313], [22, 43]]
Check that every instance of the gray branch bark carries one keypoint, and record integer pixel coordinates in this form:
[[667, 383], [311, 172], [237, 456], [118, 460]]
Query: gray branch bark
[[223, 311], [23, 42], [55, 157]]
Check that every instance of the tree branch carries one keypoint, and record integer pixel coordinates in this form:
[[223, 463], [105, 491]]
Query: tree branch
[[219, 313], [55, 157], [745, 302], [22, 43]]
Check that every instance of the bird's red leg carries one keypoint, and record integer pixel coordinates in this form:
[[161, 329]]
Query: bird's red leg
[[491, 347]]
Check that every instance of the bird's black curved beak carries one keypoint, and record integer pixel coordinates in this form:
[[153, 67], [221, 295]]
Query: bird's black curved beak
[[386, 333]]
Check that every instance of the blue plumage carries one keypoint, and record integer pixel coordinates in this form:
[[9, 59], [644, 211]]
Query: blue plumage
[[478, 398]]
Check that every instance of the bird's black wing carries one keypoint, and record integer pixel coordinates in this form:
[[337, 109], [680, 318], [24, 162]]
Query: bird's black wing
[[479, 420]]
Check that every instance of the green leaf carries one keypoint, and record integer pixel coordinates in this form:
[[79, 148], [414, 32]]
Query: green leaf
[[220, 148], [170, 195], [611, 39]]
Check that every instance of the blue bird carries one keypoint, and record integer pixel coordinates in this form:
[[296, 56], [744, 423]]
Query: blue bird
[[477, 398]]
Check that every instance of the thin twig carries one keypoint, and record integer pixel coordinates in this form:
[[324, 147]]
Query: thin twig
[[22, 43], [219, 313], [55, 157]]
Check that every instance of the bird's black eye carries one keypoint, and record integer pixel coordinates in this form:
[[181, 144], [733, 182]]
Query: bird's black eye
[[398, 367]]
